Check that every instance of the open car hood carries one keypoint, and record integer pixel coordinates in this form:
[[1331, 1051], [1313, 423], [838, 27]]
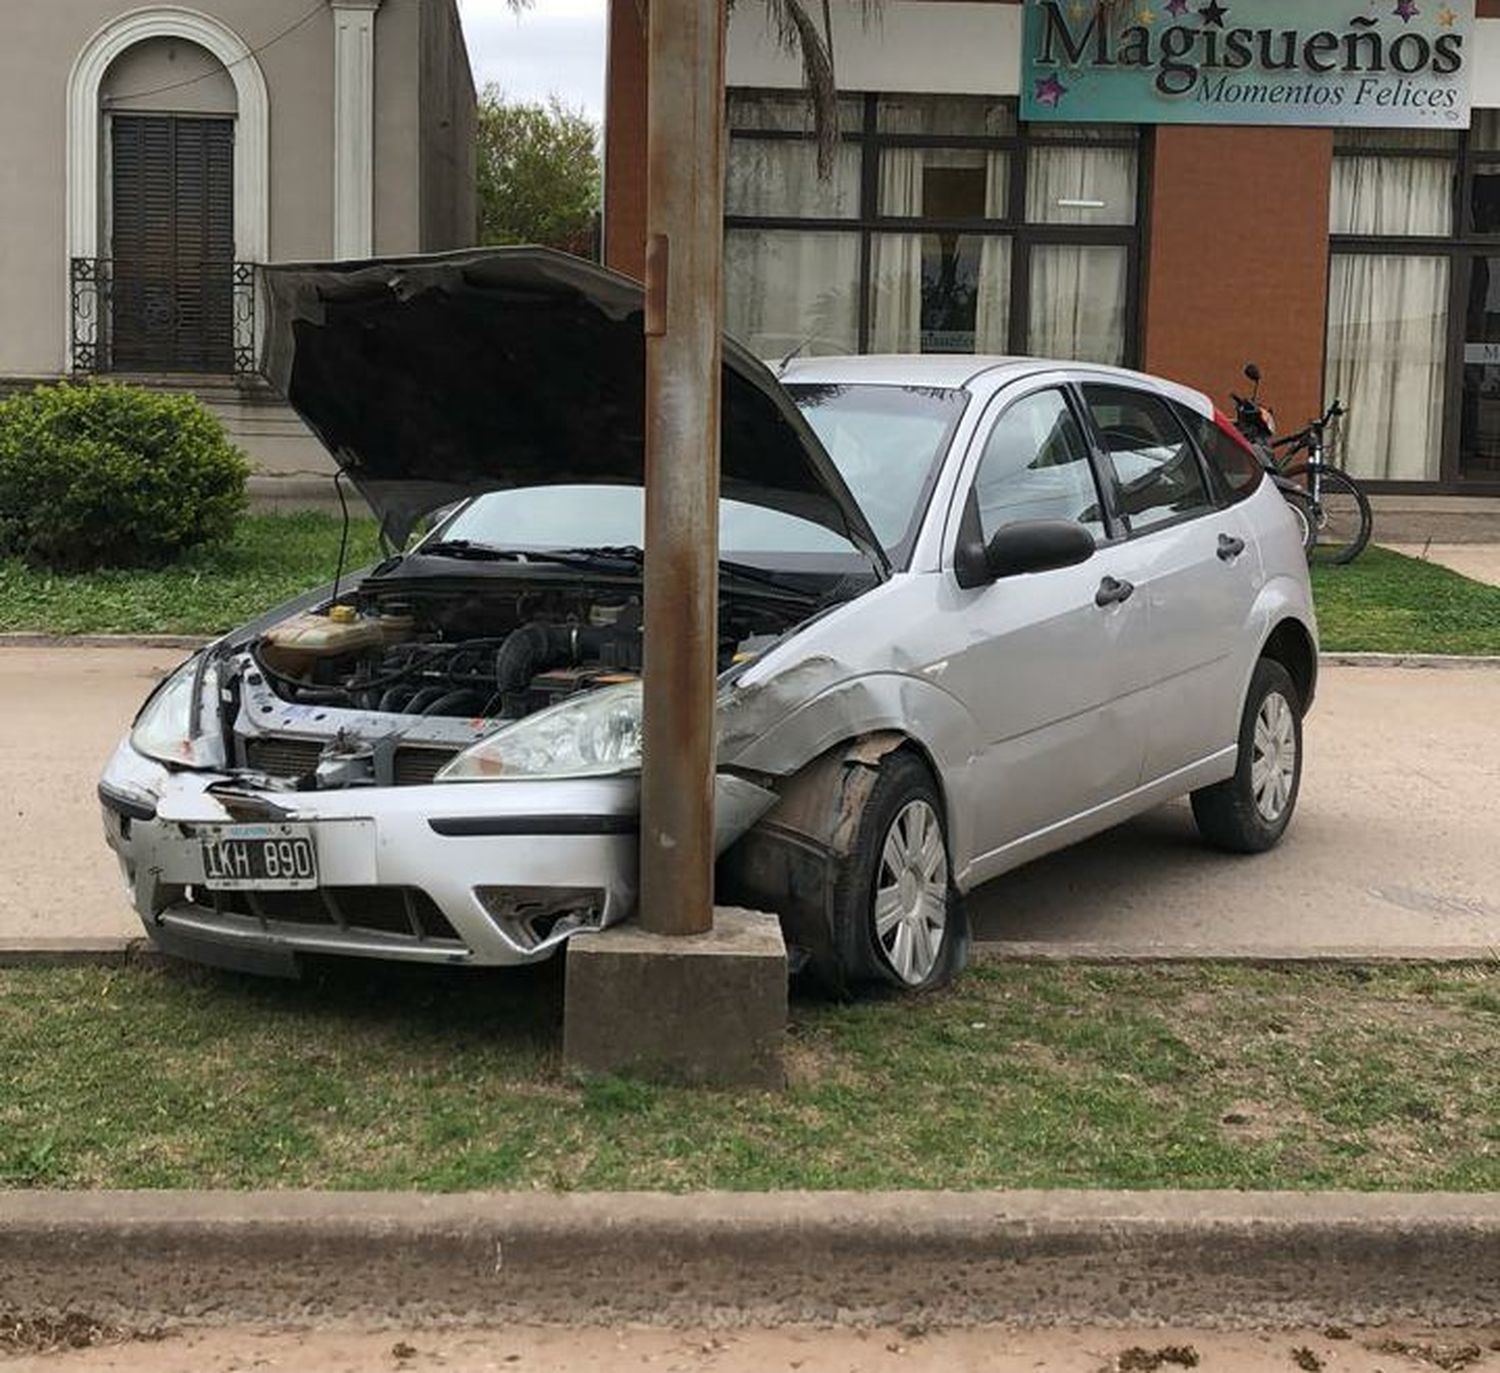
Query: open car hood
[[431, 379]]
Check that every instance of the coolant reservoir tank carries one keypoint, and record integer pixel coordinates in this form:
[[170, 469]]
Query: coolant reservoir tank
[[297, 643]]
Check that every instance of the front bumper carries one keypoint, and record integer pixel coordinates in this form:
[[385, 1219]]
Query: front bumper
[[484, 874]]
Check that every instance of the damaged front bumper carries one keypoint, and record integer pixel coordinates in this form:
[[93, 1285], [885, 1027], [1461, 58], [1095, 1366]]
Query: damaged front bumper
[[481, 874]]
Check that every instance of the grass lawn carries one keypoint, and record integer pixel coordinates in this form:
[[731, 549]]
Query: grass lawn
[[1386, 603], [270, 558], [1024, 1076], [1383, 603]]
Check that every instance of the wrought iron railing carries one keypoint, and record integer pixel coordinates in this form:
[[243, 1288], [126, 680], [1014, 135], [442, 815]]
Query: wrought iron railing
[[157, 315]]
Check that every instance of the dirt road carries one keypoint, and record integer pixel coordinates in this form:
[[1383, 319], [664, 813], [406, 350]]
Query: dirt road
[[1394, 844], [780, 1351]]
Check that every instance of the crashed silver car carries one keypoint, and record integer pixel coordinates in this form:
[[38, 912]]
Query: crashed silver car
[[972, 610]]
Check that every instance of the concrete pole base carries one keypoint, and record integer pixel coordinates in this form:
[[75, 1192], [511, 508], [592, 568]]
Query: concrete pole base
[[705, 1009]]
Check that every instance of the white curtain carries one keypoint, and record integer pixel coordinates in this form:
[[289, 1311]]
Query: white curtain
[[1067, 185], [1078, 302], [780, 177], [896, 259], [787, 289], [1392, 195], [992, 309], [1387, 335]]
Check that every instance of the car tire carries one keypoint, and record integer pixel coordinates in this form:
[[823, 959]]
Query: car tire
[[1249, 812], [902, 920]]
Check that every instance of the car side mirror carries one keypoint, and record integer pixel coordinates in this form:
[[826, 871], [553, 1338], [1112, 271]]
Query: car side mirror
[[1035, 546]]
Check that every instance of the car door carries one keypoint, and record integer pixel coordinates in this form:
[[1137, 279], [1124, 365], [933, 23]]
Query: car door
[[1195, 567], [1051, 662]]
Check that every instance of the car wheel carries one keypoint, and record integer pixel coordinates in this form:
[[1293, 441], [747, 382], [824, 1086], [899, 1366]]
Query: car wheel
[[1249, 812], [895, 893]]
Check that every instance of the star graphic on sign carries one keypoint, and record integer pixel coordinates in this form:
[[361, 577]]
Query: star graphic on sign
[[1049, 92], [1177, 8], [1078, 9], [1406, 10], [1213, 13], [1146, 17], [1447, 18]]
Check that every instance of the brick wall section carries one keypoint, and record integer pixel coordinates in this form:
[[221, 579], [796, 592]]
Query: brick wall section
[[625, 141], [1237, 260]]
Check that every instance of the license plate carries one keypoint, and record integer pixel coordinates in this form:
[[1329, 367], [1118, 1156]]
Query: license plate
[[259, 858]]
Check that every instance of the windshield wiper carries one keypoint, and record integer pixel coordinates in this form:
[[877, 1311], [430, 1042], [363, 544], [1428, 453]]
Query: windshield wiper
[[631, 556], [465, 548]]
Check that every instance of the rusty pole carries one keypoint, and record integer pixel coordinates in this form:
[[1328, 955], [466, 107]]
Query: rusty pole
[[684, 307]]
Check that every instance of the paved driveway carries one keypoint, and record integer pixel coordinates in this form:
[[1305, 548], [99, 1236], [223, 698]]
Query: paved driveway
[[1396, 844]]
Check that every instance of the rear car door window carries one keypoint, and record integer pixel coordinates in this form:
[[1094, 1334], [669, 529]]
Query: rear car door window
[[1158, 479], [1230, 463], [1036, 467]]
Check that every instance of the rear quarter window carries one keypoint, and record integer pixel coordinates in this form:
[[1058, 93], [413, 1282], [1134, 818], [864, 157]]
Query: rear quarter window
[[1234, 468]]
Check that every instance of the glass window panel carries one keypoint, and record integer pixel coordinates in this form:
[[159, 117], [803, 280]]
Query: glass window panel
[[967, 115], [1387, 337], [1484, 132], [1157, 476], [1236, 467], [787, 289], [787, 112], [1078, 302], [1484, 199], [780, 177], [1035, 467], [1392, 195], [1067, 185], [944, 183], [939, 293]]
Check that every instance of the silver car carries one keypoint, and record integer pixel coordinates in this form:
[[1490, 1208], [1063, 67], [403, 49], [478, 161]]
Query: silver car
[[972, 610]]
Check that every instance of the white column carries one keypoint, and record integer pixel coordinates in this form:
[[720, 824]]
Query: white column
[[354, 127]]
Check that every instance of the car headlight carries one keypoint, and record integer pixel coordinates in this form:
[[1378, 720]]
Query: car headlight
[[164, 728], [588, 736]]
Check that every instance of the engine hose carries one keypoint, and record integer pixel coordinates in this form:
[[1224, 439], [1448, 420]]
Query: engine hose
[[446, 705], [535, 647], [393, 698], [424, 698]]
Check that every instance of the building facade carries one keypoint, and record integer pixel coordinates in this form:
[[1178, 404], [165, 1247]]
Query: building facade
[[1361, 262], [153, 155]]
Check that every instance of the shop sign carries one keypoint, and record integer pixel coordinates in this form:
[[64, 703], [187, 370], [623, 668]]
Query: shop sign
[[1382, 63], [1482, 354]]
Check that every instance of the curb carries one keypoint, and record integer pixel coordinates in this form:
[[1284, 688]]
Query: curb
[[1252, 955], [1441, 661], [1214, 1259], [139, 951], [25, 640], [78, 953]]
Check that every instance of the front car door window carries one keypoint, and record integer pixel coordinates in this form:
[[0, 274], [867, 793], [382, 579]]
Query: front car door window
[[1036, 467], [1158, 479]]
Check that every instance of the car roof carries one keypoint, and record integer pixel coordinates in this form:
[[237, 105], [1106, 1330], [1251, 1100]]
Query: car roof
[[964, 371]]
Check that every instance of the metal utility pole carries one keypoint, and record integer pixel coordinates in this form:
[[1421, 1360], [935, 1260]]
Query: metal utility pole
[[684, 307]]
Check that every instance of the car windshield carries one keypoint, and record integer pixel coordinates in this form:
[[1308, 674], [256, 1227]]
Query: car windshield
[[886, 442], [541, 518]]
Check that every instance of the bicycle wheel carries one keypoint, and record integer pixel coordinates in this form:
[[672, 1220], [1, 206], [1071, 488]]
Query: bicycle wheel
[[1307, 526], [1341, 513]]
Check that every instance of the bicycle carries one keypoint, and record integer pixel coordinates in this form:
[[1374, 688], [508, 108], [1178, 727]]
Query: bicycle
[[1333, 511], [1337, 512]]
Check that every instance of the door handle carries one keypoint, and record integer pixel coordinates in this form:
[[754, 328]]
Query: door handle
[[1230, 548], [1112, 592]]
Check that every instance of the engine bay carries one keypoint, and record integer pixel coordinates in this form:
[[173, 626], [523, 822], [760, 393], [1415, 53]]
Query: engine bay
[[391, 681]]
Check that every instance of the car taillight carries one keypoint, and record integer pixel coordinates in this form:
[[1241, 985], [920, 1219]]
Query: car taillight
[[1226, 425]]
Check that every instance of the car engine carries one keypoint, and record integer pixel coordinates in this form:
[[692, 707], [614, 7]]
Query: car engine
[[389, 683]]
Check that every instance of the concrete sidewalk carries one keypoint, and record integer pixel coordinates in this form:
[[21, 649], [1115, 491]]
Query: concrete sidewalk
[[1394, 849], [1224, 1260]]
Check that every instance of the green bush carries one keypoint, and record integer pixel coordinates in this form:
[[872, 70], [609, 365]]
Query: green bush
[[100, 475]]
